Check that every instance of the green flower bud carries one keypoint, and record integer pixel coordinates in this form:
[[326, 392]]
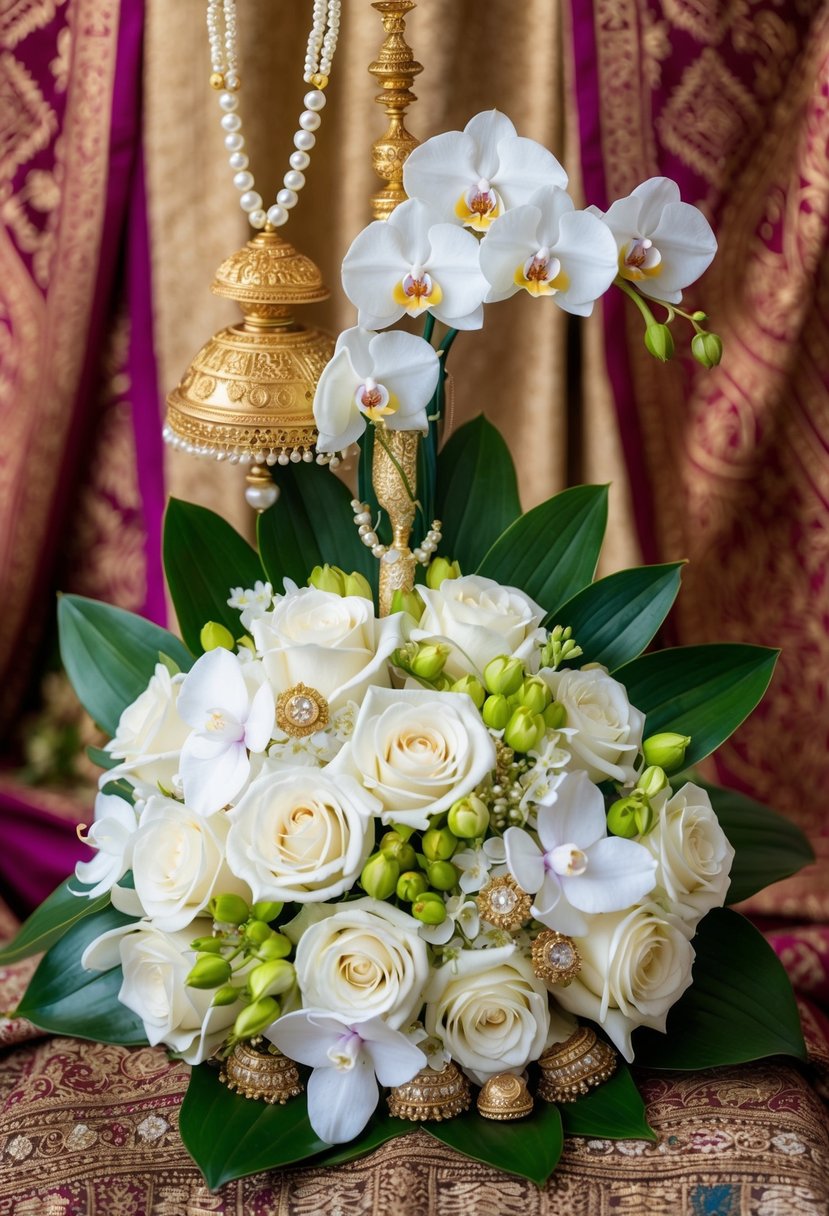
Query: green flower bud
[[504, 675], [699, 315], [266, 909], [555, 716], [659, 341], [357, 584], [403, 830], [411, 885], [256, 1018], [209, 971], [214, 636], [408, 601], [442, 683], [442, 875], [379, 876], [225, 995], [257, 932], [621, 817], [472, 687], [439, 844], [469, 817], [439, 570], [652, 780], [525, 730], [429, 909], [393, 845], [707, 349], [496, 712], [535, 694], [327, 578], [271, 978], [228, 909], [645, 817], [276, 946], [208, 945], [429, 661], [666, 750], [247, 642]]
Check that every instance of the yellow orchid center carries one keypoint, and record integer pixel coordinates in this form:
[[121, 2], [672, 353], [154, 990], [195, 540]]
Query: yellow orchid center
[[417, 291], [478, 206], [375, 401], [541, 275], [640, 259]]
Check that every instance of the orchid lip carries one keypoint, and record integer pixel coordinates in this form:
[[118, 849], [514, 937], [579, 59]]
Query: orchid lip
[[566, 860]]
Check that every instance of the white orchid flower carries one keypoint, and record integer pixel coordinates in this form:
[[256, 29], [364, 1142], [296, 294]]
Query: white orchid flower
[[579, 868], [382, 377], [477, 174], [663, 244], [549, 249], [113, 835], [252, 602], [413, 263], [348, 1059], [230, 715]]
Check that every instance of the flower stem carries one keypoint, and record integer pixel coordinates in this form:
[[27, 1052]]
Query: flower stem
[[624, 286], [446, 344], [428, 327]]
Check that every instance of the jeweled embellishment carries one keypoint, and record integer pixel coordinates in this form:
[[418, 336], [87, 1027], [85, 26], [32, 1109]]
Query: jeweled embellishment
[[431, 1095], [576, 1066], [555, 957], [301, 711], [256, 1069], [504, 904], [505, 1097]]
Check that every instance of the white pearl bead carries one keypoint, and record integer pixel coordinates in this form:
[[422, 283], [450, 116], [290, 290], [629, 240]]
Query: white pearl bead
[[369, 539], [261, 497], [365, 528], [283, 458], [295, 457], [250, 201], [378, 551], [243, 180], [231, 122], [315, 100], [238, 160], [294, 180], [257, 219], [362, 517], [308, 120], [277, 216], [304, 140], [300, 160], [234, 142], [232, 79], [308, 456], [229, 102], [287, 198]]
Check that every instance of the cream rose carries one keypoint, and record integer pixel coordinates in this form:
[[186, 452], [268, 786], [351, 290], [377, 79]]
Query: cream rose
[[299, 835], [150, 736], [330, 642], [692, 852], [490, 1011], [155, 966], [365, 960], [481, 620], [607, 728], [417, 751], [635, 965]]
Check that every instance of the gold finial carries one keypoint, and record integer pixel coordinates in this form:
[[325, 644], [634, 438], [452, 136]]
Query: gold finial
[[395, 69]]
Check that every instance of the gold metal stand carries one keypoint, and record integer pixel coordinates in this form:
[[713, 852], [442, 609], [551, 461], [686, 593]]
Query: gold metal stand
[[395, 69]]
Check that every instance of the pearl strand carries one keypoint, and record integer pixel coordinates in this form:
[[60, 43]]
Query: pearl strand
[[322, 43], [368, 535]]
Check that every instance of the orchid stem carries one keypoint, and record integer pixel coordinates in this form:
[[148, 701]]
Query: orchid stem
[[648, 316], [428, 327], [446, 345]]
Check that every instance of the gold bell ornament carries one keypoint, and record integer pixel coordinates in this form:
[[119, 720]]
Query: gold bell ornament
[[257, 1069], [505, 1097], [576, 1066], [431, 1094]]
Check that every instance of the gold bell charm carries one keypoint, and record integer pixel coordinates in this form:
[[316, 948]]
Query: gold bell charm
[[431, 1095], [505, 1097], [576, 1066], [256, 1069]]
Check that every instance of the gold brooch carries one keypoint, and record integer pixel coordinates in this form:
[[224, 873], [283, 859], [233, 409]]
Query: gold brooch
[[431, 1095], [575, 1066], [301, 710], [555, 957], [505, 1097], [255, 1069], [504, 904]]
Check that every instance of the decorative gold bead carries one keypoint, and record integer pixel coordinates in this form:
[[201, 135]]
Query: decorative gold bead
[[504, 904], [320, 80], [431, 1095], [256, 1069], [576, 1066], [217, 80], [505, 1097], [301, 711], [555, 957]]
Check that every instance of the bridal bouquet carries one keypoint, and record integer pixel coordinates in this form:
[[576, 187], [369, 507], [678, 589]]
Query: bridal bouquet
[[443, 867]]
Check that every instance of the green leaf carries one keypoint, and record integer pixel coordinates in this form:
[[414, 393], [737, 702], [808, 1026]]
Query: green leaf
[[740, 1006], [612, 1111], [65, 999], [767, 846], [48, 923], [701, 691], [551, 552], [229, 1136], [529, 1147], [381, 1129], [477, 492], [614, 619], [103, 759], [110, 655], [203, 558]]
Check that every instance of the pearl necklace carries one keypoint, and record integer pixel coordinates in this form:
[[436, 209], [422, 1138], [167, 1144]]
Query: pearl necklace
[[224, 77]]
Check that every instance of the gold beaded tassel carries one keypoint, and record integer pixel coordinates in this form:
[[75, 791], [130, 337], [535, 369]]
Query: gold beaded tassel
[[395, 69]]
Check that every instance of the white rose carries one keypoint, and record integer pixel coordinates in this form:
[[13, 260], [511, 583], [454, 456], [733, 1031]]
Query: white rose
[[155, 966], [417, 751], [481, 620], [151, 726], [692, 852], [298, 835], [635, 965], [112, 834], [365, 960], [490, 1011], [330, 642], [607, 729], [178, 864]]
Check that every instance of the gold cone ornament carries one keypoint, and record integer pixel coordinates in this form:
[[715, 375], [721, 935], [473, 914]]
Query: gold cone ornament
[[576, 1066], [431, 1094], [258, 1070], [505, 1097]]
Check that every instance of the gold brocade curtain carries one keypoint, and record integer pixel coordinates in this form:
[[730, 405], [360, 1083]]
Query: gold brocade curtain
[[475, 57]]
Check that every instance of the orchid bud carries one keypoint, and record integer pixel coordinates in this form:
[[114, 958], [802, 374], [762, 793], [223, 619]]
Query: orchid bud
[[209, 971], [429, 908], [659, 341], [429, 661], [496, 712], [266, 909], [257, 932], [411, 885], [276, 946], [535, 694], [225, 995], [207, 945], [214, 636], [469, 817], [652, 780], [439, 844], [473, 688], [621, 817], [357, 584], [525, 730], [666, 750], [439, 570], [707, 349], [271, 978], [408, 601], [645, 817], [228, 909], [504, 675], [379, 876], [442, 875], [327, 578], [393, 845], [256, 1018], [555, 716]]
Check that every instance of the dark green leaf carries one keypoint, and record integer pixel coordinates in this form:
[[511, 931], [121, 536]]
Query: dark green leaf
[[551, 552], [701, 691], [613, 1111], [102, 758], [121, 788], [65, 999], [477, 492], [203, 558], [614, 619], [381, 1129], [229, 1136], [110, 655], [52, 919], [740, 1006], [529, 1147]]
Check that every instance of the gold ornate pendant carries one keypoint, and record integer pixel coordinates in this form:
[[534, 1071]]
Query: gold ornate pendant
[[505, 1097]]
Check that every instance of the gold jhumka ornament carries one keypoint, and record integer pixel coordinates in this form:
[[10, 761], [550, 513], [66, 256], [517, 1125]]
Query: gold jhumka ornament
[[256, 1069], [431, 1094], [505, 1097], [576, 1066]]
